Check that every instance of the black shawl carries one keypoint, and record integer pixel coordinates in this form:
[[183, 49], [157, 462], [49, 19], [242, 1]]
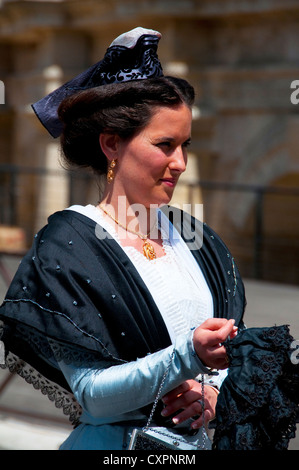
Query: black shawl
[[77, 296]]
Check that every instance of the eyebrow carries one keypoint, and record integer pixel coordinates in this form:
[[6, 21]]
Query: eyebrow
[[159, 139], [169, 139]]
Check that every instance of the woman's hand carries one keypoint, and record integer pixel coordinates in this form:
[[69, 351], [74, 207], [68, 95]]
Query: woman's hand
[[188, 397], [208, 339]]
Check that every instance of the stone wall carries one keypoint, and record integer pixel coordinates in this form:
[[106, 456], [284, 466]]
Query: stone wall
[[240, 55]]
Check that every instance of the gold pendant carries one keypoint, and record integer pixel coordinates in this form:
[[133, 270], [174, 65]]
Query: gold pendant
[[148, 251]]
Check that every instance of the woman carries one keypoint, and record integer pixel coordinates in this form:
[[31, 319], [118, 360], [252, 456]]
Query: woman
[[114, 299]]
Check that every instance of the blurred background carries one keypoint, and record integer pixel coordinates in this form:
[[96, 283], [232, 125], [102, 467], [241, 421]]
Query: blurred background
[[242, 56]]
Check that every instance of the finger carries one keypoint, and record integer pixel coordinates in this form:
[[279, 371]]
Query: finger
[[191, 411], [223, 333], [182, 402], [214, 323], [173, 394], [234, 332], [198, 423], [218, 355]]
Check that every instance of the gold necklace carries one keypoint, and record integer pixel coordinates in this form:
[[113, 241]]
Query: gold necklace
[[148, 249]]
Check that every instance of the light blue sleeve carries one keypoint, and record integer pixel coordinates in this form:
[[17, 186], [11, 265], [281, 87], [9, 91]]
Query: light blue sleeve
[[104, 392], [218, 380]]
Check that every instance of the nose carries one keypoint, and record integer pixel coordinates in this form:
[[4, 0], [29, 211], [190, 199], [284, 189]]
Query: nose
[[178, 161]]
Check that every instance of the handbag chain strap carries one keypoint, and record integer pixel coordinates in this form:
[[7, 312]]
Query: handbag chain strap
[[147, 426]]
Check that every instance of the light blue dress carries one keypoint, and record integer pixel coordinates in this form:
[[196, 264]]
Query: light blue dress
[[111, 398]]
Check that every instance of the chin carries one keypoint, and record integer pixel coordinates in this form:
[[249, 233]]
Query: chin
[[163, 201], [160, 199], [167, 197]]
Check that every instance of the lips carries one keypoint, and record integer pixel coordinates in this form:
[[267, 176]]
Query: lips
[[169, 181]]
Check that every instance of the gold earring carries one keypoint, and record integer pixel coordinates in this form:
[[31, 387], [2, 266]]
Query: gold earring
[[110, 173]]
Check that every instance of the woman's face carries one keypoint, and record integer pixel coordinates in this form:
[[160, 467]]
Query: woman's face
[[150, 163]]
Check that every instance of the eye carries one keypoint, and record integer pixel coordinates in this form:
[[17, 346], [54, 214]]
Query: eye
[[165, 143], [187, 143], [171, 143]]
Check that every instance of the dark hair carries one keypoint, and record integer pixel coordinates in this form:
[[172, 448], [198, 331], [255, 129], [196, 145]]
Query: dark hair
[[122, 109]]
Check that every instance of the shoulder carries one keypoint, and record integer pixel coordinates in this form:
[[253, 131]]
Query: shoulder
[[63, 224], [194, 231], [69, 217], [64, 237], [201, 238]]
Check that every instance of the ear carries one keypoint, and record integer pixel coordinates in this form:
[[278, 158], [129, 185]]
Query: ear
[[110, 145]]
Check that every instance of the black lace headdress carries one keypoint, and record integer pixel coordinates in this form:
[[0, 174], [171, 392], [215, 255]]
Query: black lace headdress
[[132, 56]]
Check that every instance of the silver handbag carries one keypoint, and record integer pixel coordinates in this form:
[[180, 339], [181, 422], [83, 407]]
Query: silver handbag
[[160, 438]]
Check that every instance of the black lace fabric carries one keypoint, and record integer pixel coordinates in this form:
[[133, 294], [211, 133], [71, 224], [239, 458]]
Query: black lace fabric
[[60, 397], [258, 404]]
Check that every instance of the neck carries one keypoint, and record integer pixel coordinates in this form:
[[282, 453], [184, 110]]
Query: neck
[[135, 217]]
